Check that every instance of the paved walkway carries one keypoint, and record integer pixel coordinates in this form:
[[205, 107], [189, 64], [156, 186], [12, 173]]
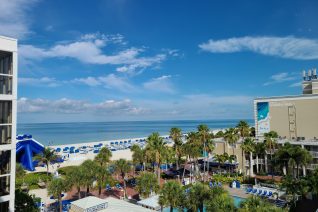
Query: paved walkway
[[236, 192]]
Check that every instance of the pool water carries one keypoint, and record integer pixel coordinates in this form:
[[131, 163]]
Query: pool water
[[237, 201]]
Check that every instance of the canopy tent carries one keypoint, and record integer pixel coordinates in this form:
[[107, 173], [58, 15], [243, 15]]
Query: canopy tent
[[26, 148], [90, 203], [151, 202]]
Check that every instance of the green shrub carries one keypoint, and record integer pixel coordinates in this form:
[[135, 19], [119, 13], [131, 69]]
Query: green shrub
[[32, 179], [66, 170]]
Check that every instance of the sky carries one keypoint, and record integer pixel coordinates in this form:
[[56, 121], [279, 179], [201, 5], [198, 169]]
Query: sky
[[122, 60]]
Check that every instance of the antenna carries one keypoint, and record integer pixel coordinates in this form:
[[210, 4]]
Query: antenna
[[304, 75], [309, 75], [314, 73]]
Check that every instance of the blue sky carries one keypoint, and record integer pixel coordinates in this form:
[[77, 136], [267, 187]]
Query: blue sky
[[157, 60]]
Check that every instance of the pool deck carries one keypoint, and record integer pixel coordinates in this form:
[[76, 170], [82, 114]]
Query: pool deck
[[236, 192]]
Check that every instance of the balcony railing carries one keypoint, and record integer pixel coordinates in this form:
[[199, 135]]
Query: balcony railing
[[312, 166], [314, 154]]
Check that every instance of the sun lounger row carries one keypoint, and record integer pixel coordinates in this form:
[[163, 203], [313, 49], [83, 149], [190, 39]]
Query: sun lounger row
[[215, 184], [259, 192]]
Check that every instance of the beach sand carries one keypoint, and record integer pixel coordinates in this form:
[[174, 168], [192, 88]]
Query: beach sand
[[75, 159]]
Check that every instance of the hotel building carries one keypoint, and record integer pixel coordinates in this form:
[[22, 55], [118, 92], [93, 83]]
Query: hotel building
[[294, 118], [8, 108]]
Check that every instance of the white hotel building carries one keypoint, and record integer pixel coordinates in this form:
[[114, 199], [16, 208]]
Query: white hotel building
[[8, 116]]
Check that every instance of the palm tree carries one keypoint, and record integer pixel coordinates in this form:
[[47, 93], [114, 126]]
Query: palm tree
[[192, 148], [313, 181], [138, 156], [101, 175], [243, 128], [176, 135], [88, 168], [157, 147], [221, 202], [270, 141], [122, 167], [220, 159], [259, 151], [231, 159], [103, 157], [204, 135], [147, 183], [56, 187], [247, 146], [209, 148], [171, 195], [197, 196], [76, 178], [256, 204], [47, 156], [231, 137]]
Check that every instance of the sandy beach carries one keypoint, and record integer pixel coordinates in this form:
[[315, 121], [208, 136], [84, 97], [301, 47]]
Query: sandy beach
[[75, 159]]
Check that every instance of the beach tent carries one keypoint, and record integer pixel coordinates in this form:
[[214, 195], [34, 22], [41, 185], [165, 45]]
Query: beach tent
[[26, 148], [151, 202], [90, 203]]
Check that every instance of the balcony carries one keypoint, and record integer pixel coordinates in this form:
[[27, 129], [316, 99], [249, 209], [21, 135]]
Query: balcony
[[314, 154], [312, 166]]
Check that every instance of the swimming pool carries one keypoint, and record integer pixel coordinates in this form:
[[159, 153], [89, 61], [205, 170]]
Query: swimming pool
[[237, 201]]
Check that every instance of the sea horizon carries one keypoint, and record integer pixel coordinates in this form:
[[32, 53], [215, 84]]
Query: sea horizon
[[84, 132]]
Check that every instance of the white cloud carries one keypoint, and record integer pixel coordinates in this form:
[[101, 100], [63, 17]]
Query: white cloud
[[285, 47], [160, 84], [110, 81], [71, 106], [90, 49], [14, 20], [296, 84], [280, 77], [38, 82]]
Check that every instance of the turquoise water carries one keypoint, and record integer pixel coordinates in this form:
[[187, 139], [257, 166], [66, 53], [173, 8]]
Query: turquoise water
[[68, 133], [237, 201]]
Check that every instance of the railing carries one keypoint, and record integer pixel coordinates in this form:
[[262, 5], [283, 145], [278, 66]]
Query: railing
[[314, 154], [312, 166]]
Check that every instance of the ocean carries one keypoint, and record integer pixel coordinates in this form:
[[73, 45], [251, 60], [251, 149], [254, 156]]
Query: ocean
[[82, 132]]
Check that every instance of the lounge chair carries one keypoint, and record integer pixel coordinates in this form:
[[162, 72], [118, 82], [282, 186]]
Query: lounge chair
[[108, 187], [259, 192], [96, 151], [210, 184], [254, 191], [264, 193], [269, 194], [220, 184], [118, 186], [248, 190]]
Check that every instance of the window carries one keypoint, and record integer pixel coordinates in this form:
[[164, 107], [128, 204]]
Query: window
[[5, 134], [5, 162], [5, 84], [4, 185], [5, 63], [4, 206], [5, 112]]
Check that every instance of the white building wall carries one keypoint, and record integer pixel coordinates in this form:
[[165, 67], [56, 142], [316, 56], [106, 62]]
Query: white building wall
[[10, 45]]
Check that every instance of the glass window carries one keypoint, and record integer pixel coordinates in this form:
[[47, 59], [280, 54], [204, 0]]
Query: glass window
[[5, 134], [5, 162], [5, 62], [4, 206], [5, 85], [4, 185], [5, 112]]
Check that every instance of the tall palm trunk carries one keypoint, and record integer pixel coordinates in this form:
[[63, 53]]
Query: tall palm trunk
[[125, 191], [47, 168], [171, 209], [243, 165], [257, 165], [79, 192], [60, 202], [158, 174]]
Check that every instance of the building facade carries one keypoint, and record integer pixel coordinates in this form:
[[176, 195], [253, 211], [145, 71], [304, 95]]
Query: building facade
[[8, 111], [294, 118]]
